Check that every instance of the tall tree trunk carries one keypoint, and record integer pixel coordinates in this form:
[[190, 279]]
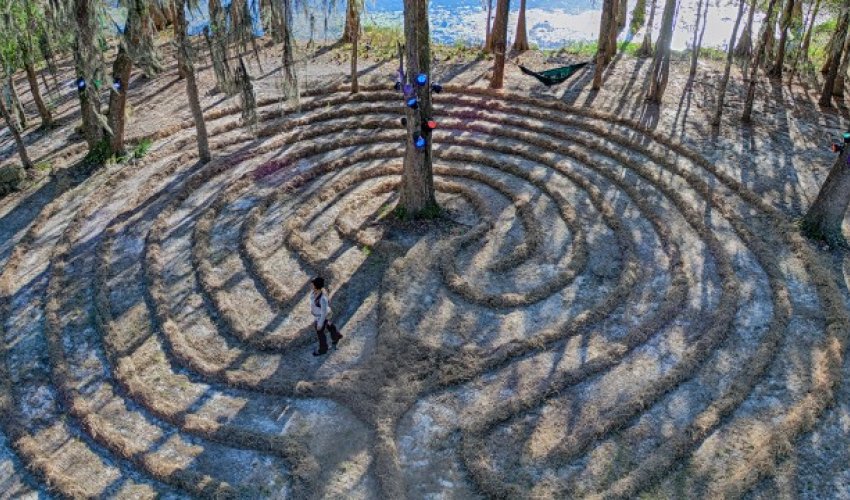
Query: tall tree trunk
[[784, 24], [521, 40], [488, 33], [614, 31], [746, 117], [185, 60], [646, 46], [86, 58], [355, 38], [699, 32], [19, 142], [838, 88], [16, 102], [290, 78], [807, 39], [638, 17], [744, 47], [500, 42], [622, 14], [416, 197], [140, 32], [832, 74], [352, 18], [824, 219], [249, 101], [607, 23], [32, 78], [730, 55], [660, 69], [121, 70], [216, 36]]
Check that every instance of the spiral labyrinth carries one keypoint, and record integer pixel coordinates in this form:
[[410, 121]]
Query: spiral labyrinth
[[598, 311]]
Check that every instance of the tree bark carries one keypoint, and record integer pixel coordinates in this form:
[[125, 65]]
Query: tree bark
[[290, 78], [784, 24], [16, 102], [500, 41], [32, 78], [185, 61], [730, 55], [699, 32], [19, 142], [660, 69], [744, 48], [352, 18], [832, 74], [121, 70], [249, 101], [216, 37], [416, 197], [807, 39], [488, 33], [86, 58], [622, 14], [521, 40], [746, 117], [646, 46], [838, 88], [607, 24], [824, 219], [355, 38]]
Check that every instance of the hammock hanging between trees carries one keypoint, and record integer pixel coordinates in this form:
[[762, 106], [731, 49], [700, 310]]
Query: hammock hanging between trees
[[556, 75]]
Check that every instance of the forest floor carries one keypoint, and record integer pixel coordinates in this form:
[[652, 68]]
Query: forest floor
[[614, 302]]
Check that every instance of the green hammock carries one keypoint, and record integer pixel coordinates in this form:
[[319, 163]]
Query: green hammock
[[556, 75]]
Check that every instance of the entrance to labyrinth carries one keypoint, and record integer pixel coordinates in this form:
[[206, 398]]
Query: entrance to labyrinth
[[597, 311]]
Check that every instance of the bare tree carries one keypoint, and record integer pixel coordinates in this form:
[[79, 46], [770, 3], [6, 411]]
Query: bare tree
[[500, 41], [19, 142], [521, 40], [416, 197], [607, 24], [825, 217], [784, 23], [746, 117], [488, 33], [290, 78], [15, 99], [730, 55], [646, 46], [355, 38], [803, 52], [660, 69], [184, 59], [216, 37], [835, 58], [352, 19], [29, 66]]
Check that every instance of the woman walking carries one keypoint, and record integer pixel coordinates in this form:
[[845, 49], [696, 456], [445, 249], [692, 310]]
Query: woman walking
[[321, 310]]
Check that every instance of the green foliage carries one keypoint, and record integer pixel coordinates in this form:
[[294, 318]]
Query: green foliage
[[142, 148], [638, 17], [44, 166], [100, 154]]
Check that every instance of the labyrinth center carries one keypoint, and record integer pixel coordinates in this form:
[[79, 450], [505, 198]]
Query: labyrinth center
[[591, 314]]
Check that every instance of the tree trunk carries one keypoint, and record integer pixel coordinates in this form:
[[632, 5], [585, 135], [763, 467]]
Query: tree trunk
[[521, 40], [355, 38], [746, 117], [290, 78], [16, 102], [638, 17], [744, 48], [185, 60], [500, 41], [730, 55], [807, 38], [121, 69], [784, 24], [824, 219], [607, 24], [622, 14], [19, 142], [216, 36], [832, 74], [416, 197], [488, 34], [646, 47], [838, 88], [699, 32], [660, 69], [352, 18], [249, 101], [32, 78], [140, 31], [611, 44], [86, 58]]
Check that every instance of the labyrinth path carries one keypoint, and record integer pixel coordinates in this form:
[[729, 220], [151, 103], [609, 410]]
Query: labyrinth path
[[598, 312]]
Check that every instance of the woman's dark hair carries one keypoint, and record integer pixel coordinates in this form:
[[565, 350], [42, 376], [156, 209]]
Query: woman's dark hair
[[319, 282]]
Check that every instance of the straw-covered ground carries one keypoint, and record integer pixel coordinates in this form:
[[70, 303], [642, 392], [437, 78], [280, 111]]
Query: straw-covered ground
[[614, 301]]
